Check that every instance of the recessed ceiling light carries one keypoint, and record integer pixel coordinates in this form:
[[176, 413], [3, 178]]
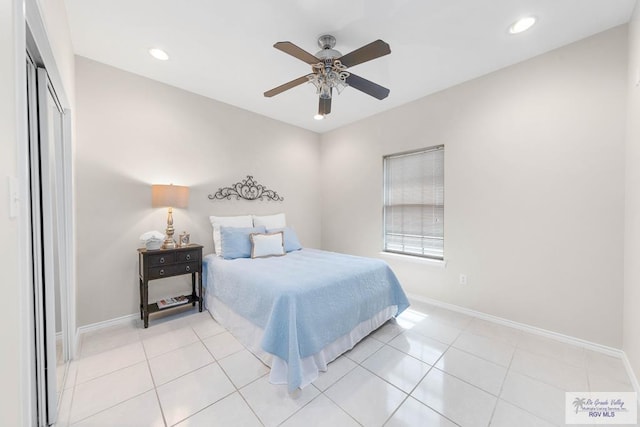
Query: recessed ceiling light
[[522, 24], [319, 116], [159, 54]]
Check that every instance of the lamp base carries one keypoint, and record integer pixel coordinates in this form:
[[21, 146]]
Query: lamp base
[[169, 243]]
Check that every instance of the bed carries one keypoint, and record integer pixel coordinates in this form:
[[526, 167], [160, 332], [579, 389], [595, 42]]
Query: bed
[[300, 311]]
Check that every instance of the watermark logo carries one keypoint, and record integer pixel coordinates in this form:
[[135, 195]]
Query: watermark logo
[[601, 408]]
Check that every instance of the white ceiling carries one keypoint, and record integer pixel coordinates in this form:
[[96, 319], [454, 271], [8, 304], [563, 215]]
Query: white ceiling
[[223, 49]]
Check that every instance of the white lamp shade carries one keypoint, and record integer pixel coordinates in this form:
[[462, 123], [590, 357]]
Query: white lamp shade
[[173, 196]]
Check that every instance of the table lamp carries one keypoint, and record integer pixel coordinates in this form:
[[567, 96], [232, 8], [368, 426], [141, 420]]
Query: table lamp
[[169, 196]]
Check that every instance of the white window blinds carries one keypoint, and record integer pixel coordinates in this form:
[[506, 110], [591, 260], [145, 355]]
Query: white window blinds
[[414, 203]]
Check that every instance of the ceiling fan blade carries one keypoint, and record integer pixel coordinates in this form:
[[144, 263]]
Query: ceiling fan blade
[[366, 53], [325, 106], [293, 50], [368, 87], [286, 86]]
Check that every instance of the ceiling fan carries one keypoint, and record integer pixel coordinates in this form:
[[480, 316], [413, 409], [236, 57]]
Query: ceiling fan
[[329, 70]]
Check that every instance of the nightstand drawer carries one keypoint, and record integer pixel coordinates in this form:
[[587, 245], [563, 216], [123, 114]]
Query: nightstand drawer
[[173, 270], [189, 256], [161, 259], [159, 272], [191, 267]]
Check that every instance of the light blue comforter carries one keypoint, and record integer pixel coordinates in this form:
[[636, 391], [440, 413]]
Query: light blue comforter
[[305, 299]]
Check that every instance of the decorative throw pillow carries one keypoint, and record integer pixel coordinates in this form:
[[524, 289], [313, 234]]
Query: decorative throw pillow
[[235, 241], [270, 221], [227, 221], [266, 245], [291, 242]]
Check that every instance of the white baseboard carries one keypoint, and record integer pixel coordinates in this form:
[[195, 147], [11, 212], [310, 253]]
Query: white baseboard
[[609, 351], [130, 318]]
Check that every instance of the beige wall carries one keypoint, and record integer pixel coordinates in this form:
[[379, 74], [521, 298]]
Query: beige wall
[[534, 187], [133, 132], [631, 324]]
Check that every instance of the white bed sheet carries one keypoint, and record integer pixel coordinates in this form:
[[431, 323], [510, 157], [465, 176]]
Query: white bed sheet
[[251, 337]]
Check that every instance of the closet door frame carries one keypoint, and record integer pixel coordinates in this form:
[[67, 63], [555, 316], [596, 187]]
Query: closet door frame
[[29, 31]]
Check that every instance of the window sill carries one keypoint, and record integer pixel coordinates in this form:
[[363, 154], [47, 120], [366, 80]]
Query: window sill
[[415, 259]]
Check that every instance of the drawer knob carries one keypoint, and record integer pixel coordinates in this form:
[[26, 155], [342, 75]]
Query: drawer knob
[[188, 268], [162, 260], [188, 257], [162, 272]]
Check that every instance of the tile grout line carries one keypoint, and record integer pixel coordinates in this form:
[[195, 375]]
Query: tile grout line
[[141, 340], [322, 392], [431, 367], [153, 381], [217, 361], [504, 380], [98, 377], [237, 390], [336, 403], [119, 369], [303, 406], [408, 395], [540, 380], [434, 367], [513, 404], [111, 407], [72, 391], [358, 364], [146, 359], [449, 346]]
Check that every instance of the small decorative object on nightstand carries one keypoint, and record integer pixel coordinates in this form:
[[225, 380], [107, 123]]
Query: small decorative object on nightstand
[[152, 240], [158, 264], [184, 239]]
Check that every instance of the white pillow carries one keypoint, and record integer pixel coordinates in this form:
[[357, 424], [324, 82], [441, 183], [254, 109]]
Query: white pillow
[[270, 221], [265, 245], [243, 221]]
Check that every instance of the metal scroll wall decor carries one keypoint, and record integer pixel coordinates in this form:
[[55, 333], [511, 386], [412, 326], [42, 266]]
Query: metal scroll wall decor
[[247, 189]]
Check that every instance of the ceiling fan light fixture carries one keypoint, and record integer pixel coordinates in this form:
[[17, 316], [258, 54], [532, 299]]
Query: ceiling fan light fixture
[[329, 71], [328, 76], [325, 91], [159, 54], [522, 25]]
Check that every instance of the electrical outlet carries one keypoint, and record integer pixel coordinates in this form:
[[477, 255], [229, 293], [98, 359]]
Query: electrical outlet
[[463, 279]]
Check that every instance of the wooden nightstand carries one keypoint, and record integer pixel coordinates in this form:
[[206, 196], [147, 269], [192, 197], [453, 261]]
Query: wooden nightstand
[[161, 263]]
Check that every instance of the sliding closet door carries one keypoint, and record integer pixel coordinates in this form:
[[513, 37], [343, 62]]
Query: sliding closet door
[[36, 244], [53, 232], [49, 245]]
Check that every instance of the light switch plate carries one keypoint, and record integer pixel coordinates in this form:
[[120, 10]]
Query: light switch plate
[[13, 197]]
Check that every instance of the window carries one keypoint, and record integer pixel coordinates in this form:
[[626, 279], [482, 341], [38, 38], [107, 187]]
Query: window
[[414, 203]]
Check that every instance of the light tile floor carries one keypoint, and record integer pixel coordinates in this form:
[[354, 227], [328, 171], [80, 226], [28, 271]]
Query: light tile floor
[[430, 367]]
